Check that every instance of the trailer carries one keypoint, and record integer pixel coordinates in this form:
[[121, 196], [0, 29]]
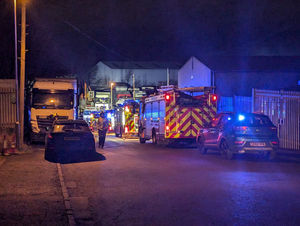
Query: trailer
[[174, 115]]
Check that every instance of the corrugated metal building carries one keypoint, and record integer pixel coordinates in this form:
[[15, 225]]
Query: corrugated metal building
[[146, 73]]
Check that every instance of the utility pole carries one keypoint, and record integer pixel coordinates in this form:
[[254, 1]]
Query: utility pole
[[22, 71], [17, 79], [168, 77], [133, 86]]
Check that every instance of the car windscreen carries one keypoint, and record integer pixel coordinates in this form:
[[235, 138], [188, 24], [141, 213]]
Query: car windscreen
[[75, 127], [48, 100], [252, 120]]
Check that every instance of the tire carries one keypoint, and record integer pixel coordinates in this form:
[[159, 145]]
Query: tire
[[271, 156], [142, 139], [201, 147], [225, 149], [154, 138]]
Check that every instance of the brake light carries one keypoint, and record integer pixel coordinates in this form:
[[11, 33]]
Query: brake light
[[126, 129], [240, 128], [167, 97], [214, 97], [274, 142], [239, 142]]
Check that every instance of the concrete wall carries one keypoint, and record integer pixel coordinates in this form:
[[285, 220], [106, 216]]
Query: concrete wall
[[103, 74], [194, 73]]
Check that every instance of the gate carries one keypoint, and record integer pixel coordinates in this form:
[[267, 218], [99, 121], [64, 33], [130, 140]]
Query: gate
[[7, 107], [283, 108]]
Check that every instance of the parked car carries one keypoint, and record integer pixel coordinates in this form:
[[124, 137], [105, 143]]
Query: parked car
[[67, 138], [239, 133]]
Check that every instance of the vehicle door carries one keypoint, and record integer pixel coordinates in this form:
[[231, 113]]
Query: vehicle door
[[155, 116], [147, 120], [211, 133], [184, 121]]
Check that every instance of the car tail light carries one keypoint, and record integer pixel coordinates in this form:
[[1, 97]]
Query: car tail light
[[274, 142], [240, 128], [240, 142], [126, 129]]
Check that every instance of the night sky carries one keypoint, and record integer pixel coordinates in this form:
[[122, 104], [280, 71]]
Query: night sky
[[68, 37]]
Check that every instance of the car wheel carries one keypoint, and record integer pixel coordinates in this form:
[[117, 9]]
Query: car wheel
[[271, 155], [142, 137], [225, 149], [154, 138], [201, 147]]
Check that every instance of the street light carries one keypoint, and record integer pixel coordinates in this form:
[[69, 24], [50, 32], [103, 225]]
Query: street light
[[111, 86]]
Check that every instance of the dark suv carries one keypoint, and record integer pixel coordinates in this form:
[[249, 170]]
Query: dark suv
[[238, 133]]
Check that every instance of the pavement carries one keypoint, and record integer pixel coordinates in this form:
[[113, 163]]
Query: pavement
[[30, 192]]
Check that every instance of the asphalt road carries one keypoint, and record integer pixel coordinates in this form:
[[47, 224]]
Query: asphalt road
[[129, 183]]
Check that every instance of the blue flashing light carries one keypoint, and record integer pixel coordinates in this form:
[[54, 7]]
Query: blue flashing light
[[241, 117], [109, 115], [229, 118]]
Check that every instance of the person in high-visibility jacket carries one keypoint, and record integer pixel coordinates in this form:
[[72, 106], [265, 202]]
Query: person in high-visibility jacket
[[102, 126]]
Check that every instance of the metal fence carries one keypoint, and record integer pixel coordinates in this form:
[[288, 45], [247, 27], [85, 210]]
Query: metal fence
[[235, 104], [283, 108], [7, 107]]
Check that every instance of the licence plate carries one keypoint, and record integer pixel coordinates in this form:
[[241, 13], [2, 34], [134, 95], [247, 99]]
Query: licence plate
[[71, 138], [258, 144]]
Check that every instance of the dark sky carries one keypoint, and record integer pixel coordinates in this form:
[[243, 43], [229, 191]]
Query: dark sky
[[69, 37]]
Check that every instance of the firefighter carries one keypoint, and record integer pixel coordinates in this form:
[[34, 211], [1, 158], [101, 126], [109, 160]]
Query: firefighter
[[102, 125]]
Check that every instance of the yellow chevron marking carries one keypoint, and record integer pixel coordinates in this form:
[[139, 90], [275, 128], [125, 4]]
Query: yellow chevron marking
[[206, 119], [177, 135], [186, 126], [188, 133], [196, 127], [193, 133], [168, 116]]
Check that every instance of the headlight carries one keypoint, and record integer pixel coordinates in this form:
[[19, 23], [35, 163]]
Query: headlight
[[35, 127]]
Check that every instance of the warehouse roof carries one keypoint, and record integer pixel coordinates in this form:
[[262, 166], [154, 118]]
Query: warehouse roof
[[142, 65], [252, 63]]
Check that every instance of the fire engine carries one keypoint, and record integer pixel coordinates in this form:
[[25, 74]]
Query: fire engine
[[126, 119], [175, 114]]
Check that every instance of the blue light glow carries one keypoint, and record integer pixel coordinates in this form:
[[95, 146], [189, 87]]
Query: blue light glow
[[241, 117], [109, 115], [229, 118]]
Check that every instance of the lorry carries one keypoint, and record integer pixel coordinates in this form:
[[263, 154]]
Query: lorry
[[51, 99], [176, 114], [126, 119]]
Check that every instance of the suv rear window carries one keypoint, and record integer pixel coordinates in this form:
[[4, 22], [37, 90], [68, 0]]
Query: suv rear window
[[252, 120], [71, 126]]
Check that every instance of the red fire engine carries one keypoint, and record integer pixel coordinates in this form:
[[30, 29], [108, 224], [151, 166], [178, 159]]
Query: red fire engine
[[174, 115]]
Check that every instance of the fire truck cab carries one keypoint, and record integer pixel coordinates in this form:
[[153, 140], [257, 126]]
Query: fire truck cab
[[174, 115]]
